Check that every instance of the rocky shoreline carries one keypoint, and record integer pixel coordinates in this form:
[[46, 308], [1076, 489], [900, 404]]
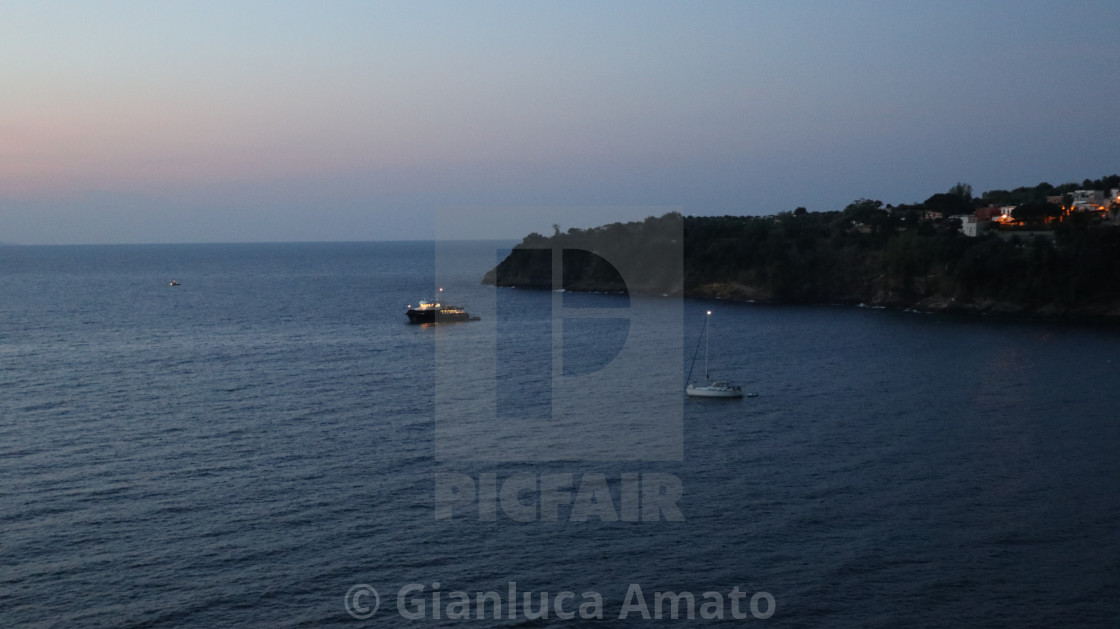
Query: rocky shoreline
[[936, 304], [828, 259]]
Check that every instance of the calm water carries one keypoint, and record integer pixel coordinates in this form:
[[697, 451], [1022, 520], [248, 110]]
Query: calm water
[[242, 449]]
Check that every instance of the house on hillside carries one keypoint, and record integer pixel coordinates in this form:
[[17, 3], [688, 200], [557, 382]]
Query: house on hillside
[[971, 225], [1089, 200], [987, 213], [1005, 214]]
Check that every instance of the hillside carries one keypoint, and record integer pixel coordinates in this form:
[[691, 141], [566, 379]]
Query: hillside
[[862, 255]]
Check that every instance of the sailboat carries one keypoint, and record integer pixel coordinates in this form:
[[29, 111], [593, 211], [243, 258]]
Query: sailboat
[[719, 388]]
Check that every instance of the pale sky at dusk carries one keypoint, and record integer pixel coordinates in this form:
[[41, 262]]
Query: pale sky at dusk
[[130, 122]]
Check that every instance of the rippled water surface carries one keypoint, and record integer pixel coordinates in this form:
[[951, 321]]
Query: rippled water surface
[[242, 449]]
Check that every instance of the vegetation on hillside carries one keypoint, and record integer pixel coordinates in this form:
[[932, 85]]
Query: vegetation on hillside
[[866, 253], [821, 258]]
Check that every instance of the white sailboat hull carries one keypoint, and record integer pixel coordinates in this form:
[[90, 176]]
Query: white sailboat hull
[[715, 390]]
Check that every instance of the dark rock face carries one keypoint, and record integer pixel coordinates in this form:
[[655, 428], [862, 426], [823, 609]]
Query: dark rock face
[[820, 258]]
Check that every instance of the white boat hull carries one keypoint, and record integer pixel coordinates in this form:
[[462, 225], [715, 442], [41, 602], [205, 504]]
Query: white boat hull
[[715, 390]]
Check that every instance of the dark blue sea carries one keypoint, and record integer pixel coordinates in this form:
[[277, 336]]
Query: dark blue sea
[[257, 447]]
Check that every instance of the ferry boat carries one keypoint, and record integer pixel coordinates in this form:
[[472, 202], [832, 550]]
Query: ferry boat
[[437, 312]]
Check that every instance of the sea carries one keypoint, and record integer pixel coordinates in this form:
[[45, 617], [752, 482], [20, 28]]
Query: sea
[[271, 444]]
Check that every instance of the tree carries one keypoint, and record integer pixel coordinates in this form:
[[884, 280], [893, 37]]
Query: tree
[[863, 209], [962, 190], [948, 204], [1035, 212], [801, 211]]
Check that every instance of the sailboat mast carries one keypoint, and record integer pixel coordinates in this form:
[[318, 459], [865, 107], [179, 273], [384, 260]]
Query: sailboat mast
[[707, 342], [696, 352]]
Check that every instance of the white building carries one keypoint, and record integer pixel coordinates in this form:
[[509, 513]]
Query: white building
[[970, 225], [1089, 200]]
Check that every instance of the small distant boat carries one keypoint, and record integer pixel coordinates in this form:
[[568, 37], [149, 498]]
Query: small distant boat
[[718, 388], [174, 283], [437, 312]]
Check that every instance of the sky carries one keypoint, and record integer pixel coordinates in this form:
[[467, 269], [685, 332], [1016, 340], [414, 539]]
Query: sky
[[240, 121]]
